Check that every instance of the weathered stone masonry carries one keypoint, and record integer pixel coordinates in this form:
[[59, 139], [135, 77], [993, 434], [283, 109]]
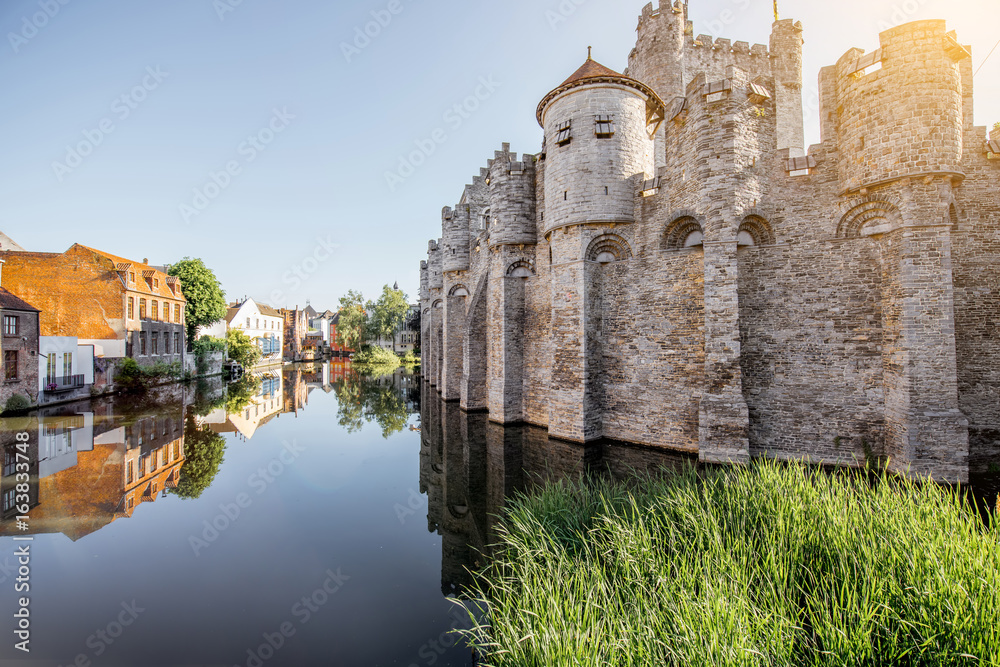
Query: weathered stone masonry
[[674, 269]]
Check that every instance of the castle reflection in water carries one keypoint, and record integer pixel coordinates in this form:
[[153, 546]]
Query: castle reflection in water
[[469, 466]]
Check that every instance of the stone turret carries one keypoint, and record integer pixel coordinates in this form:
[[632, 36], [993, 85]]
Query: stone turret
[[597, 141], [786, 68], [512, 199], [455, 239], [900, 107]]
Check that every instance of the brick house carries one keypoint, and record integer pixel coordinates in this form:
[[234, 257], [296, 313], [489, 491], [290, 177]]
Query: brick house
[[122, 307], [18, 346]]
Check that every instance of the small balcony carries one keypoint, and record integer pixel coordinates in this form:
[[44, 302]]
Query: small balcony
[[61, 384]]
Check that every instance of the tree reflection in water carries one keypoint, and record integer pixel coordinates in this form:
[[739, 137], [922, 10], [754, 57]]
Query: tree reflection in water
[[379, 399], [204, 451]]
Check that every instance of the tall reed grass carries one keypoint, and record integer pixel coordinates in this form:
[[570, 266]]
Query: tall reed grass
[[772, 564]]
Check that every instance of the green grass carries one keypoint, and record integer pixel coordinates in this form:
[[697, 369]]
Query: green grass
[[768, 565]]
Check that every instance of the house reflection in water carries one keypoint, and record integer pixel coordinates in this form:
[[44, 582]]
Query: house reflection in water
[[469, 466], [268, 403], [94, 465]]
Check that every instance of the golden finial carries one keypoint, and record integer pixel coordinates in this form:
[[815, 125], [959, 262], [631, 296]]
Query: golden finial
[[776, 19], [590, 52]]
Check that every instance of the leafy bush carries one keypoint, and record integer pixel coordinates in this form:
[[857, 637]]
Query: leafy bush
[[996, 127], [242, 349], [373, 357], [410, 359], [207, 345], [16, 403], [135, 378]]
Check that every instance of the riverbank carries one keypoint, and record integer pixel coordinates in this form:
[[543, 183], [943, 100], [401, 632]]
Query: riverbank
[[768, 565]]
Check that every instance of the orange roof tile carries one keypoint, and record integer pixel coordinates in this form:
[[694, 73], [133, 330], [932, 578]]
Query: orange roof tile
[[146, 271]]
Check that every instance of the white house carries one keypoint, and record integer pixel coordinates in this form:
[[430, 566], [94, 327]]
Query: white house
[[263, 324], [65, 365]]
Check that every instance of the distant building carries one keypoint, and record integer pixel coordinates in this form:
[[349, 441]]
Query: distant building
[[121, 307], [7, 243], [296, 327], [18, 346], [263, 324]]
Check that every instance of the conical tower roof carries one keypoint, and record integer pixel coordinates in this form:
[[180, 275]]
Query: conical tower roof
[[594, 72]]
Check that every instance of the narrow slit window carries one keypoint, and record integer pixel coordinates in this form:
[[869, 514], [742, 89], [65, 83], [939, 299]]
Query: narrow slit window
[[605, 126], [565, 133]]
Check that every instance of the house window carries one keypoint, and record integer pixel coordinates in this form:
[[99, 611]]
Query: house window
[[142, 468], [177, 313], [131, 276], [156, 283], [177, 342], [8, 498], [565, 133], [248, 323], [10, 364], [156, 344], [142, 345], [166, 350], [156, 310], [605, 126], [9, 325], [142, 309], [131, 502], [68, 364], [131, 308], [152, 489], [130, 474]]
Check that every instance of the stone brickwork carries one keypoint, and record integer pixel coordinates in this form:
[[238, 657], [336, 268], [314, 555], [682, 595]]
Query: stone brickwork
[[675, 269]]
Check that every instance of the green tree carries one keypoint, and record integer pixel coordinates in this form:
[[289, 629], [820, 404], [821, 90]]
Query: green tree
[[204, 451], [387, 315], [242, 349], [352, 329], [206, 302]]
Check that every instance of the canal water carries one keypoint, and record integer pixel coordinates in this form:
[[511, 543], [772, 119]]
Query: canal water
[[308, 516]]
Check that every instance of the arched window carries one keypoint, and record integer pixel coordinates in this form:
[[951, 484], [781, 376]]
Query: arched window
[[520, 269], [684, 232], [870, 216], [608, 248], [754, 230]]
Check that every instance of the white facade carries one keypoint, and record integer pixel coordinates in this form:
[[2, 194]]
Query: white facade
[[62, 358], [264, 325], [214, 330]]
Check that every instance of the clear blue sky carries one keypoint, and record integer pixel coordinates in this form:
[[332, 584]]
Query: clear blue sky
[[199, 77]]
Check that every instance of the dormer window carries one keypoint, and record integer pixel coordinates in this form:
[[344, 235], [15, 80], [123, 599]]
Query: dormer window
[[605, 126], [156, 283], [131, 277], [565, 133]]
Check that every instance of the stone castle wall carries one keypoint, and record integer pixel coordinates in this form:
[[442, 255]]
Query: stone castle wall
[[698, 282]]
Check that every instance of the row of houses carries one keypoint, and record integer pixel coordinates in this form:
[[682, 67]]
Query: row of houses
[[69, 317]]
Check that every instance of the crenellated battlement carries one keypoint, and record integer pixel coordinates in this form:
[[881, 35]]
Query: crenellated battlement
[[672, 269]]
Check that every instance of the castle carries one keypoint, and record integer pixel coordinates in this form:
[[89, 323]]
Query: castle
[[673, 269]]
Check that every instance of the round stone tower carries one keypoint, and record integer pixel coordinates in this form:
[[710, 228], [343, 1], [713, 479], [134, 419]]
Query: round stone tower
[[597, 140], [901, 107], [455, 226], [512, 200]]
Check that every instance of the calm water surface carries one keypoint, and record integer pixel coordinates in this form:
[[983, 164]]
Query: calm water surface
[[310, 517]]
